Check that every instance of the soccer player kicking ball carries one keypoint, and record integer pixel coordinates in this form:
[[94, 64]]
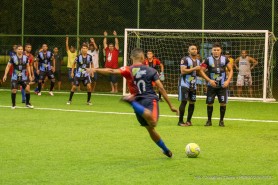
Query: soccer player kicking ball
[[143, 98], [20, 64]]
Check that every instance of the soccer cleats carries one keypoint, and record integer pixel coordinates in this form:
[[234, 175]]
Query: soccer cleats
[[168, 154], [208, 123], [51, 93], [29, 106], [68, 102], [221, 124]]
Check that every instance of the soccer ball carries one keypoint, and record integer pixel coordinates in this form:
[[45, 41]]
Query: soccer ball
[[192, 150]]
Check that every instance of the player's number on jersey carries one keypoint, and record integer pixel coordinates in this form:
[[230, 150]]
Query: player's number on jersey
[[141, 84]]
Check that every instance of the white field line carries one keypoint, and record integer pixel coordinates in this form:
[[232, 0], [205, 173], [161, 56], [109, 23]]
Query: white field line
[[127, 113]]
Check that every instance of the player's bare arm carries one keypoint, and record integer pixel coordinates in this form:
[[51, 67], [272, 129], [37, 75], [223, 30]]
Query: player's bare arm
[[108, 71], [6, 71], [230, 76], [184, 69], [165, 96]]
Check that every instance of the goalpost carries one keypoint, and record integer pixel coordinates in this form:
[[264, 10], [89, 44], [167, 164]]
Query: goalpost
[[171, 45]]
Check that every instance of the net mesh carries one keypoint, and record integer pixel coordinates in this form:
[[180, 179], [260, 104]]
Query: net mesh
[[170, 46]]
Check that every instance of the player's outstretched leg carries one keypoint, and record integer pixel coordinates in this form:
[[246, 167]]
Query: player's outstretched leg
[[157, 139]]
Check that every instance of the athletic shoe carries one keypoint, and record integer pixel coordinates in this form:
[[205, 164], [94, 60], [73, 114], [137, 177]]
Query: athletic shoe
[[12, 107], [188, 123], [29, 106], [39, 93], [51, 93], [168, 154], [221, 124], [89, 103], [69, 102], [182, 124], [208, 123]]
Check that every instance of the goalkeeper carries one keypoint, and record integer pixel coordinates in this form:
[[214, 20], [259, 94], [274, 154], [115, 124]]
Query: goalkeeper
[[155, 63]]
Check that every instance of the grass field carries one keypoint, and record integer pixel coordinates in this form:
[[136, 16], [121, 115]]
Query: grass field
[[103, 144]]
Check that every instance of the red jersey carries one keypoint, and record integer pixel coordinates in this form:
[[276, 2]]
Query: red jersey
[[111, 58], [30, 57], [155, 62], [126, 73]]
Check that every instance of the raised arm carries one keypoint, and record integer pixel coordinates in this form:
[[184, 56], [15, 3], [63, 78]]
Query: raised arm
[[116, 40], [92, 41], [105, 40], [67, 43]]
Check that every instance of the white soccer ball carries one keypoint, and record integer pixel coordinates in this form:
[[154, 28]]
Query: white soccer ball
[[192, 150]]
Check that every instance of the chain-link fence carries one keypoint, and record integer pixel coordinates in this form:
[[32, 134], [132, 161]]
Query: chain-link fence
[[49, 21]]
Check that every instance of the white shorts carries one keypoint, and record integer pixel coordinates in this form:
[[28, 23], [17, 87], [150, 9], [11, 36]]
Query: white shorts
[[244, 80]]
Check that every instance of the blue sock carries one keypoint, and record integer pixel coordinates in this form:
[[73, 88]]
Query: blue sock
[[139, 109], [23, 94], [162, 145]]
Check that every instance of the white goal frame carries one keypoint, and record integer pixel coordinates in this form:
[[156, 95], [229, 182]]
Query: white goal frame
[[266, 56]]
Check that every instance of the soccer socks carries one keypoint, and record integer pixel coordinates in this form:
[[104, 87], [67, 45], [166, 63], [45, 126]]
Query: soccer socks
[[52, 86], [71, 94], [27, 98], [13, 95], [39, 87], [190, 111], [182, 110], [162, 145], [139, 109], [222, 112], [23, 94], [209, 112], [88, 96]]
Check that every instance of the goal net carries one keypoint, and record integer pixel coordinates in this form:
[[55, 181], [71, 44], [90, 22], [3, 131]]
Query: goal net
[[171, 45]]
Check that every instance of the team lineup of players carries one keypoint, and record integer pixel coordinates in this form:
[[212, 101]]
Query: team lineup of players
[[141, 77]]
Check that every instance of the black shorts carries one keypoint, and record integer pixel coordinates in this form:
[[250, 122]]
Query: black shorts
[[152, 105], [186, 94], [15, 83], [113, 78], [49, 74], [84, 80], [221, 93]]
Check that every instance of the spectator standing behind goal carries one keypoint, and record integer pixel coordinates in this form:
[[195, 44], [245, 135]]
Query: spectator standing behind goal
[[21, 68], [217, 80], [143, 98], [154, 62], [45, 67], [231, 85], [112, 59], [94, 51], [72, 53], [189, 67], [59, 62], [244, 68]]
